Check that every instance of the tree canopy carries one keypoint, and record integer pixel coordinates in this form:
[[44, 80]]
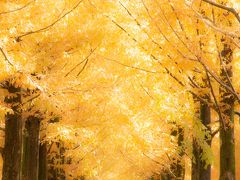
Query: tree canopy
[[121, 89]]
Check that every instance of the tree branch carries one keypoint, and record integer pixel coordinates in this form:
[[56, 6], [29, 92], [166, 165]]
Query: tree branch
[[214, 26], [156, 59], [231, 10], [215, 100], [14, 10], [207, 69], [237, 113], [84, 60], [31, 99], [5, 57], [214, 133], [19, 38], [130, 66]]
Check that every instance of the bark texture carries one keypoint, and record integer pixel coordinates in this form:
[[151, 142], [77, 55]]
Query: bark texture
[[30, 162], [177, 168], [227, 144], [57, 155], [43, 162], [199, 172], [13, 136]]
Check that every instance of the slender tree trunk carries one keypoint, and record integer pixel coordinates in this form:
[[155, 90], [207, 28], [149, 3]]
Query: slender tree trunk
[[227, 145], [31, 149], [199, 171], [205, 116], [43, 162], [13, 136], [196, 161], [57, 172], [177, 168]]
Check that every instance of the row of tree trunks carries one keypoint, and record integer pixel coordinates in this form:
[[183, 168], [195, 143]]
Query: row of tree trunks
[[22, 148], [226, 119], [226, 105], [227, 145]]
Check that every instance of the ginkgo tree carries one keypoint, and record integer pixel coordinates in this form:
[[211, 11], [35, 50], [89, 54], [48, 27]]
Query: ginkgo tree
[[115, 89], [35, 65], [191, 53], [27, 58]]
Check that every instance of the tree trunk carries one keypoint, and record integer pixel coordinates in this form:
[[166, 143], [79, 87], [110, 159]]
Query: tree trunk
[[43, 162], [56, 170], [31, 149], [13, 136], [205, 116], [199, 172], [177, 168], [227, 145]]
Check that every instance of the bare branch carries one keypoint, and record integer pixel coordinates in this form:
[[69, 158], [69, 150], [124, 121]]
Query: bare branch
[[84, 60], [229, 9], [140, 26], [156, 59], [76, 66], [198, 59], [211, 24], [19, 38], [153, 41], [237, 113], [205, 66], [5, 56], [146, 91], [18, 9], [174, 31], [214, 133], [220, 81], [174, 77], [178, 20], [31, 99], [194, 84], [224, 67], [152, 159], [165, 37], [85, 64], [215, 100], [129, 66]]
